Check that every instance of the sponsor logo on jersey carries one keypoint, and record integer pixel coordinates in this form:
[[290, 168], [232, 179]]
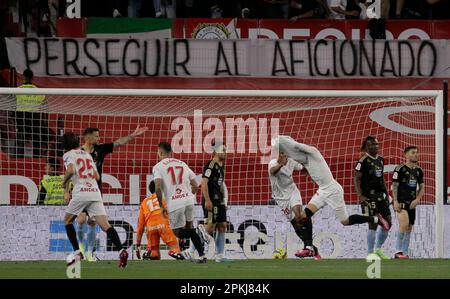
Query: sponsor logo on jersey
[[88, 189], [179, 194], [412, 182], [378, 172]]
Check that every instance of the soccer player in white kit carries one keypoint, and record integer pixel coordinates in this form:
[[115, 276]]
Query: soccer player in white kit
[[81, 169], [286, 193], [330, 192], [177, 181]]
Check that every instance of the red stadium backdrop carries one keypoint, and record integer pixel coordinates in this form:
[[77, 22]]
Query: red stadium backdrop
[[337, 131]]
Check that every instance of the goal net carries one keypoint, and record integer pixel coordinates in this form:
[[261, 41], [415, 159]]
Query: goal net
[[336, 122]]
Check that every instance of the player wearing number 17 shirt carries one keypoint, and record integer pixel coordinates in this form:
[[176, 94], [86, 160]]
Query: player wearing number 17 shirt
[[81, 169], [175, 181]]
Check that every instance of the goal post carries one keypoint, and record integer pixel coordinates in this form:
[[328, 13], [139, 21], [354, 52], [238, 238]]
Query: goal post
[[333, 121]]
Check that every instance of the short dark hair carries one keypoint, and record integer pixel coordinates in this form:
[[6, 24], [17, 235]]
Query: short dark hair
[[53, 162], [408, 148], [152, 187], [90, 131], [70, 141], [367, 139], [165, 146], [216, 145], [28, 74]]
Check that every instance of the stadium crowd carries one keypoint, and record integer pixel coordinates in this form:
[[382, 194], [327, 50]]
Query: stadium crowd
[[41, 15]]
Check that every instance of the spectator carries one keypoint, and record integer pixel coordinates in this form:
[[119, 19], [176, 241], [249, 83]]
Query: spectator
[[273, 9], [51, 191], [301, 9], [413, 9], [31, 119], [322, 10], [134, 8], [165, 8], [337, 9], [438, 9], [353, 10], [399, 8]]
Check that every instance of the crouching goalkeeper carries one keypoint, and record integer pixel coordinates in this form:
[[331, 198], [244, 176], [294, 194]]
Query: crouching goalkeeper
[[152, 219]]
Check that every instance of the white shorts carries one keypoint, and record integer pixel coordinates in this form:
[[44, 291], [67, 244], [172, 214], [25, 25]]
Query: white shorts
[[333, 195], [287, 205], [179, 217], [94, 208]]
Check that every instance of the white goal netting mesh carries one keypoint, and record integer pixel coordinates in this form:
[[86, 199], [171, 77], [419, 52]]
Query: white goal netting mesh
[[335, 125]]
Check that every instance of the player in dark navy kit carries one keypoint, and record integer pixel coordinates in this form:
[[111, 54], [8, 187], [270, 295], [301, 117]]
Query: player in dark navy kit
[[214, 198], [98, 152], [372, 193], [408, 189]]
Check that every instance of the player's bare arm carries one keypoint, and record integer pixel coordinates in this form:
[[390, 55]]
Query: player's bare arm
[[124, 140], [139, 232], [395, 196], [282, 160], [65, 184], [306, 148], [205, 192], [419, 196], [159, 195], [357, 181], [194, 186]]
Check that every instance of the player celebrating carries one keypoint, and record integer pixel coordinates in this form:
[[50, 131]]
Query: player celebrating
[[81, 169], [213, 198], [98, 152], [286, 193], [372, 193], [406, 178], [177, 181], [330, 191], [157, 227]]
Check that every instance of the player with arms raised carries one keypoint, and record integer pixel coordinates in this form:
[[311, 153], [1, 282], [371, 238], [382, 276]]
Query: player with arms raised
[[330, 192], [372, 193], [177, 181], [98, 151], [81, 169], [408, 189]]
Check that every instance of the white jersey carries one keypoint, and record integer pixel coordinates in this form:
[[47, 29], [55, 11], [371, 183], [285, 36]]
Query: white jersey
[[309, 157], [283, 185], [176, 179], [85, 187]]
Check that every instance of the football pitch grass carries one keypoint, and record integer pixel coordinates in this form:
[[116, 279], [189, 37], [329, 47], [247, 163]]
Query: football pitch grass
[[238, 269]]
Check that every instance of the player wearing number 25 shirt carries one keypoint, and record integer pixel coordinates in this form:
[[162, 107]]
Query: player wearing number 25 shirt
[[81, 169]]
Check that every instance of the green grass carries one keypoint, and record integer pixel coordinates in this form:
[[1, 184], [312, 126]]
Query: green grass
[[253, 269]]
